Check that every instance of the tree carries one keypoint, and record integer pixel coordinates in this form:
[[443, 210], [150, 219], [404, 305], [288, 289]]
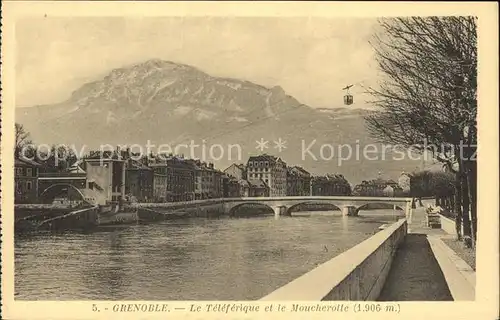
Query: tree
[[442, 187], [428, 93], [22, 141], [421, 184]]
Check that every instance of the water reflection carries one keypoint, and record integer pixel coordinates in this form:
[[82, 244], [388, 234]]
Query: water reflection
[[198, 259]]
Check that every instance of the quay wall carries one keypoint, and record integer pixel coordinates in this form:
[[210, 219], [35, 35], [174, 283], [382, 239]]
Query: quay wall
[[78, 219], [158, 213], [357, 274]]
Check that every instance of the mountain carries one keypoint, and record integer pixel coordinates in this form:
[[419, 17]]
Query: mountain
[[168, 103]]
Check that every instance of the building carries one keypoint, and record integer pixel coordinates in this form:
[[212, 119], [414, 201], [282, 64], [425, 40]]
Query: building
[[139, 182], [198, 178], [160, 179], [292, 182], [298, 181], [217, 183], [244, 188], [207, 174], [258, 188], [179, 181], [378, 188], [77, 167], [271, 170], [330, 185], [238, 171], [304, 183], [105, 180], [231, 187], [26, 180]]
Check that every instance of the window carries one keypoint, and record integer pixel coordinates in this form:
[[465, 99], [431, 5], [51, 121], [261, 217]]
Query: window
[[29, 172], [250, 164], [19, 171], [28, 185]]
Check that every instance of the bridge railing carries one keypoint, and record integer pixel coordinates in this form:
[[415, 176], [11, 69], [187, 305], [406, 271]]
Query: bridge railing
[[350, 198]]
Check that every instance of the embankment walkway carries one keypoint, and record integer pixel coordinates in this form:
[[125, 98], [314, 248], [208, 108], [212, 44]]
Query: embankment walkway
[[415, 273]]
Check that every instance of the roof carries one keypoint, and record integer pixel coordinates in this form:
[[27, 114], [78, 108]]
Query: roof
[[300, 169], [156, 165], [76, 168], [26, 162], [264, 157], [138, 166], [103, 159], [240, 166]]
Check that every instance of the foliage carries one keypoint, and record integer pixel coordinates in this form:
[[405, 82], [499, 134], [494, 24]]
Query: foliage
[[427, 99], [428, 92], [22, 141]]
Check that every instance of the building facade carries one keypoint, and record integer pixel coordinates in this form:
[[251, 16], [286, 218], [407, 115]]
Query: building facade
[[298, 181], [258, 188], [292, 182], [330, 185], [271, 170], [106, 178], [304, 183], [378, 188], [26, 180], [230, 186], [238, 171], [139, 182]]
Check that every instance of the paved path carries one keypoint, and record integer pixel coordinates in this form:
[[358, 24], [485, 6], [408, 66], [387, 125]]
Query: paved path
[[415, 274]]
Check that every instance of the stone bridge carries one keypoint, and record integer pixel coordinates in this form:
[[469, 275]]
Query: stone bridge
[[349, 205]]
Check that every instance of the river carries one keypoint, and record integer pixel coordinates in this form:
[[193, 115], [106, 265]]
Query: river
[[193, 259]]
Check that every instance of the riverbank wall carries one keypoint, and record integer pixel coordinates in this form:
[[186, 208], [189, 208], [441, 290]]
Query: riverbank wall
[[158, 213], [85, 218], [357, 274]]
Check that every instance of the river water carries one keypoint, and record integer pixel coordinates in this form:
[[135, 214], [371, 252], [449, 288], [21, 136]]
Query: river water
[[193, 259]]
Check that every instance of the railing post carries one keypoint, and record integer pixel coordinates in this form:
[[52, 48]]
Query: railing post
[[408, 211]]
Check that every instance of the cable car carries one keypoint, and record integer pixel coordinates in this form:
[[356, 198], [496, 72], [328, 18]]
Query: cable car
[[348, 99]]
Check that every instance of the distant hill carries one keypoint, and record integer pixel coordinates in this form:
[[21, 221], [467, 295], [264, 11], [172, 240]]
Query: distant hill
[[170, 103]]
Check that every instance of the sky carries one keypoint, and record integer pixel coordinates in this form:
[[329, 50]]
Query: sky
[[312, 59]]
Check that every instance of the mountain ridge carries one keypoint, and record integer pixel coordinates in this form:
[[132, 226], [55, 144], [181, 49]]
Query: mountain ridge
[[165, 102]]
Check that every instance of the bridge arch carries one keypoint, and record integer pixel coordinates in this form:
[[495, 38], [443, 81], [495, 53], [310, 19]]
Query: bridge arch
[[254, 204], [61, 189], [312, 202]]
